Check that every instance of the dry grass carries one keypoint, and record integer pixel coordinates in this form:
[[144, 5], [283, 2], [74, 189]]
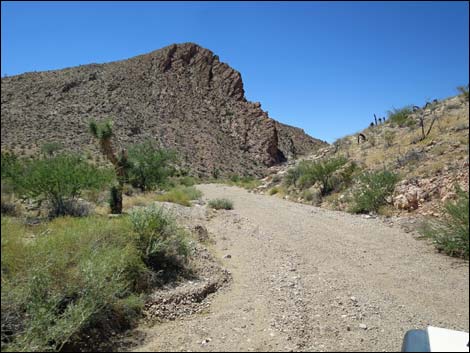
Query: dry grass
[[143, 199]]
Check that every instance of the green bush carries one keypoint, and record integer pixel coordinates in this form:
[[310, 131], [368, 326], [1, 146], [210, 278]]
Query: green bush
[[159, 239], [451, 234], [373, 190], [401, 117], [307, 173], [60, 279], [187, 181], [273, 191], [149, 167], [58, 179], [10, 165], [181, 195], [49, 148], [221, 204]]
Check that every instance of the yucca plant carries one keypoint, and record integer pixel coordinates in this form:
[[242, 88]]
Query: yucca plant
[[103, 132]]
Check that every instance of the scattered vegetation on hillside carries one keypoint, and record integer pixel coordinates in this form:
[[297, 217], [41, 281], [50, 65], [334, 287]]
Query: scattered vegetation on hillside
[[400, 116]]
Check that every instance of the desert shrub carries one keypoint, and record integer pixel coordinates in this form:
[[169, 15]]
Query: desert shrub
[[273, 191], [149, 166], [373, 190], [10, 166], [307, 173], [216, 173], [58, 179], [451, 233], [8, 207], [219, 204], [246, 182], [159, 239], [401, 117], [343, 178], [48, 149], [389, 137], [72, 207], [463, 90], [187, 181], [181, 195], [66, 278], [410, 158], [307, 195]]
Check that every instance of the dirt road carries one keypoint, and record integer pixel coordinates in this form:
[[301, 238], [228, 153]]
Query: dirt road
[[311, 279]]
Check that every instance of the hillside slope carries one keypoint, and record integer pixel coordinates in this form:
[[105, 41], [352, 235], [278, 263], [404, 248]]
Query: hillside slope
[[429, 168], [181, 96]]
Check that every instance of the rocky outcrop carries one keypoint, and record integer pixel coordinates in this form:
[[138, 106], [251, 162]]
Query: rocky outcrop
[[294, 142], [180, 96], [417, 193]]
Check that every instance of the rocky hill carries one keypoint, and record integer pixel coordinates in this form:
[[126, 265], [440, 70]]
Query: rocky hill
[[429, 168], [181, 96]]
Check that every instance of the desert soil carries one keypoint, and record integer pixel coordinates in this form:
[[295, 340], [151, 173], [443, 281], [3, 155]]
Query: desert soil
[[311, 279]]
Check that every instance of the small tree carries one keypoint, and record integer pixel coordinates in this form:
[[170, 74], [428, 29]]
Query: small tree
[[104, 132], [58, 179], [149, 166]]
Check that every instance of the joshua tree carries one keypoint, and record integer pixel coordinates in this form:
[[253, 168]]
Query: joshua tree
[[103, 132], [375, 118]]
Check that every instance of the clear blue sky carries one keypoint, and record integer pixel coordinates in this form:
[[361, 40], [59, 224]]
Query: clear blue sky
[[324, 67]]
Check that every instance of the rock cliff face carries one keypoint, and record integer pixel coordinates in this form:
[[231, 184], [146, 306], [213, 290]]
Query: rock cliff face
[[181, 96], [294, 142]]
